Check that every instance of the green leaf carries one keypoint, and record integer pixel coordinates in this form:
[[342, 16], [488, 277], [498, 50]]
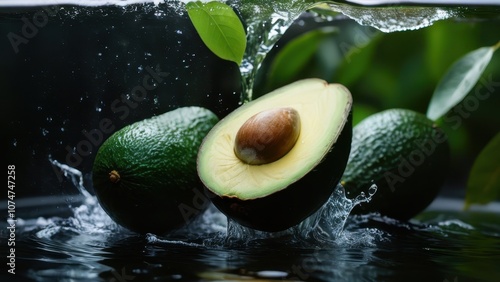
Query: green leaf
[[296, 55], [458, 81], [483, 185], [220, 29]]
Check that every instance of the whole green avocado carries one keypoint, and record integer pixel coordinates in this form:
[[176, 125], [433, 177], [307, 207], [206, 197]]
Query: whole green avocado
[[144, 175], [405, 154]]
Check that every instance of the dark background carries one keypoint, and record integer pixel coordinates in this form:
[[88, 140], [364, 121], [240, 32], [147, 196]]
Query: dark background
[[76, 63]]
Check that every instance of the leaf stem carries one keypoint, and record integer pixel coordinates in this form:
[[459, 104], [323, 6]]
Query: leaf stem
[[496, 46]]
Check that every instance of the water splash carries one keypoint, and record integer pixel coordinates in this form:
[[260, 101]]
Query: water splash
[[88, 218], [76, 178], [212, 228], [392, 19], [266, 22], [325, 226]]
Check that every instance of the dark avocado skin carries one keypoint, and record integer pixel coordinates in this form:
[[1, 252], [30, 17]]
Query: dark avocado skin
[[405, 154], [156, 161], [290, 206]]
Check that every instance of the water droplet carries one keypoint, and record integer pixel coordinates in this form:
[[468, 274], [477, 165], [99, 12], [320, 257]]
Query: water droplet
[[372, 190], [272, 274]]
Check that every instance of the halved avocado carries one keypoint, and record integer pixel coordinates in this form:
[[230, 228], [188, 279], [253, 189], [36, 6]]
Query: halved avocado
[[282, 191]]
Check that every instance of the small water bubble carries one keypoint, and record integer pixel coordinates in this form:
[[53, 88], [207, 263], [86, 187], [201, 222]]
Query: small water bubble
[[178, 31], [99, 54], [159, 13], [272, 274], [372, 190]]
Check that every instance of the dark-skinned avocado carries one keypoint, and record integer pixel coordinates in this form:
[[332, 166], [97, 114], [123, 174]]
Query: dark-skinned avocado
[[144, 175], [405, 154], [274, 161]]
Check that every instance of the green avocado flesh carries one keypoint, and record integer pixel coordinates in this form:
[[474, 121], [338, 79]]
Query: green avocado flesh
[[405, 154], [277, 195], [144, 175]]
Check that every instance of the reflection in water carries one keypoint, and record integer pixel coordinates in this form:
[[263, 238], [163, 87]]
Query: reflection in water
[[88, 245], [445, 245]]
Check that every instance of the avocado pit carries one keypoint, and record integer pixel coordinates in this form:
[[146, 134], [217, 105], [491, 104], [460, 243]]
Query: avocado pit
[[267, 136], [301, 133]]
